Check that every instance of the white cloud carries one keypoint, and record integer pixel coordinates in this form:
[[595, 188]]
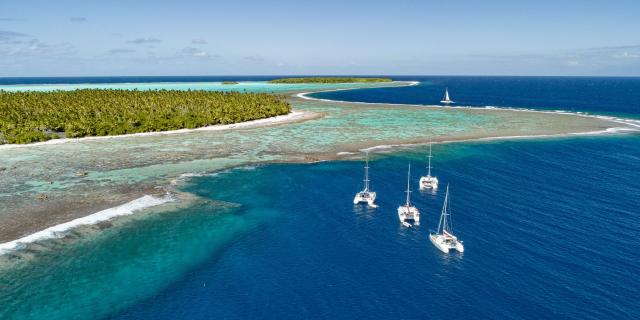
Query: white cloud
[[254, 58], [11, 35], [12, 19], [627, 55], [121, 50], [197, 53], [144, 40], [36, 48]]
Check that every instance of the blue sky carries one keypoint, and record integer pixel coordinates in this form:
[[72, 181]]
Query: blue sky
[[78, 38]]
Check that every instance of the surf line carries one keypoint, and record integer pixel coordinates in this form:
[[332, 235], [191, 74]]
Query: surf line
[[60, 230]]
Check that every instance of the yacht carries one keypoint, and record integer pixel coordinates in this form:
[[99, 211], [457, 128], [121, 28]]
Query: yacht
[[408, 213], [366, 195], [429, 182], [446, 99], [443, 238]]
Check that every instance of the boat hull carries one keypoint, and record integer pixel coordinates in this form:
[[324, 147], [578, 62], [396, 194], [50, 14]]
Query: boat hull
[[428, 183], [438, 244], [365, 197], [446, 244], [410, 213]]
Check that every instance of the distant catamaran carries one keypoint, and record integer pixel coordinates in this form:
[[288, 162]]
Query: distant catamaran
[[429, 182], [408, 213], [366, 196], [444, 239], [446, 98]]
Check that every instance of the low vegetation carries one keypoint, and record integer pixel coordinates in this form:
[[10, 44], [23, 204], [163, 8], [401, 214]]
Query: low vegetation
[[330, 80], [38, 116], [229, 82]]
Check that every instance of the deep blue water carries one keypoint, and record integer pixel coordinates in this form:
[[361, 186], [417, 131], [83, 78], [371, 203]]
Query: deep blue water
[[600, 95], [550, 229]]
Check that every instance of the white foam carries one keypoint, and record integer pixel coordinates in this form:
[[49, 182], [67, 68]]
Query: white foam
[[379, 147], [197, 174], [59, 231], [390, 147], [613, 130], [186, 176]]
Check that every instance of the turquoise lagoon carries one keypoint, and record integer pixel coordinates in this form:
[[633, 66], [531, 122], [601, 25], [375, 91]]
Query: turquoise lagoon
[[121, 169]]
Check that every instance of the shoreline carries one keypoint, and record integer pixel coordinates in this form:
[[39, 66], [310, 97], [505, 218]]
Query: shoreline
[[83, 218], [60, 230], [391, 147], [291, 117]]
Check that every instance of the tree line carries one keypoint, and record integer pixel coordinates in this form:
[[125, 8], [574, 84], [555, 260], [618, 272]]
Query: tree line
[[31, 116]]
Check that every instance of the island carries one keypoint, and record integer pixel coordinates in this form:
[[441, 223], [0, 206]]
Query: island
[[27, 117], [329, 80], [229, 82]]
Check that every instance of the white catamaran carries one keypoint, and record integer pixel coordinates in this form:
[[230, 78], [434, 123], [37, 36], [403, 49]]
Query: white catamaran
[[366, 196], [429, 182], [408, 213], [446, 98], [444, 239]]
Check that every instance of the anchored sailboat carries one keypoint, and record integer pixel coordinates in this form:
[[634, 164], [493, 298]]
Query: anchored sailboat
[[429, 182], [444, 239], [446, 98], [366, 196], [408, 213]]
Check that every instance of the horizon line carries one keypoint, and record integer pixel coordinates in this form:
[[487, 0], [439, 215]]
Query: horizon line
[[323, 75]]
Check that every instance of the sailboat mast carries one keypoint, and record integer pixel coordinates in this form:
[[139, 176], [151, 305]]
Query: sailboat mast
[[366, 173], [445, 224], [443, 216], [447, 221], [408, 186]]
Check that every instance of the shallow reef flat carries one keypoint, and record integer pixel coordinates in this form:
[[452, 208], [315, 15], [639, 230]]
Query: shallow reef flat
[[47, 184]]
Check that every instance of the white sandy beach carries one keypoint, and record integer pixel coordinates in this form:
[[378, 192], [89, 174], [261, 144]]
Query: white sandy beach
[[293, 116]]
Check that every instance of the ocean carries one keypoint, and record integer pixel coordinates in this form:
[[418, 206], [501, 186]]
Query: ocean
[[548, 234], [595, 95], [550, 227]]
